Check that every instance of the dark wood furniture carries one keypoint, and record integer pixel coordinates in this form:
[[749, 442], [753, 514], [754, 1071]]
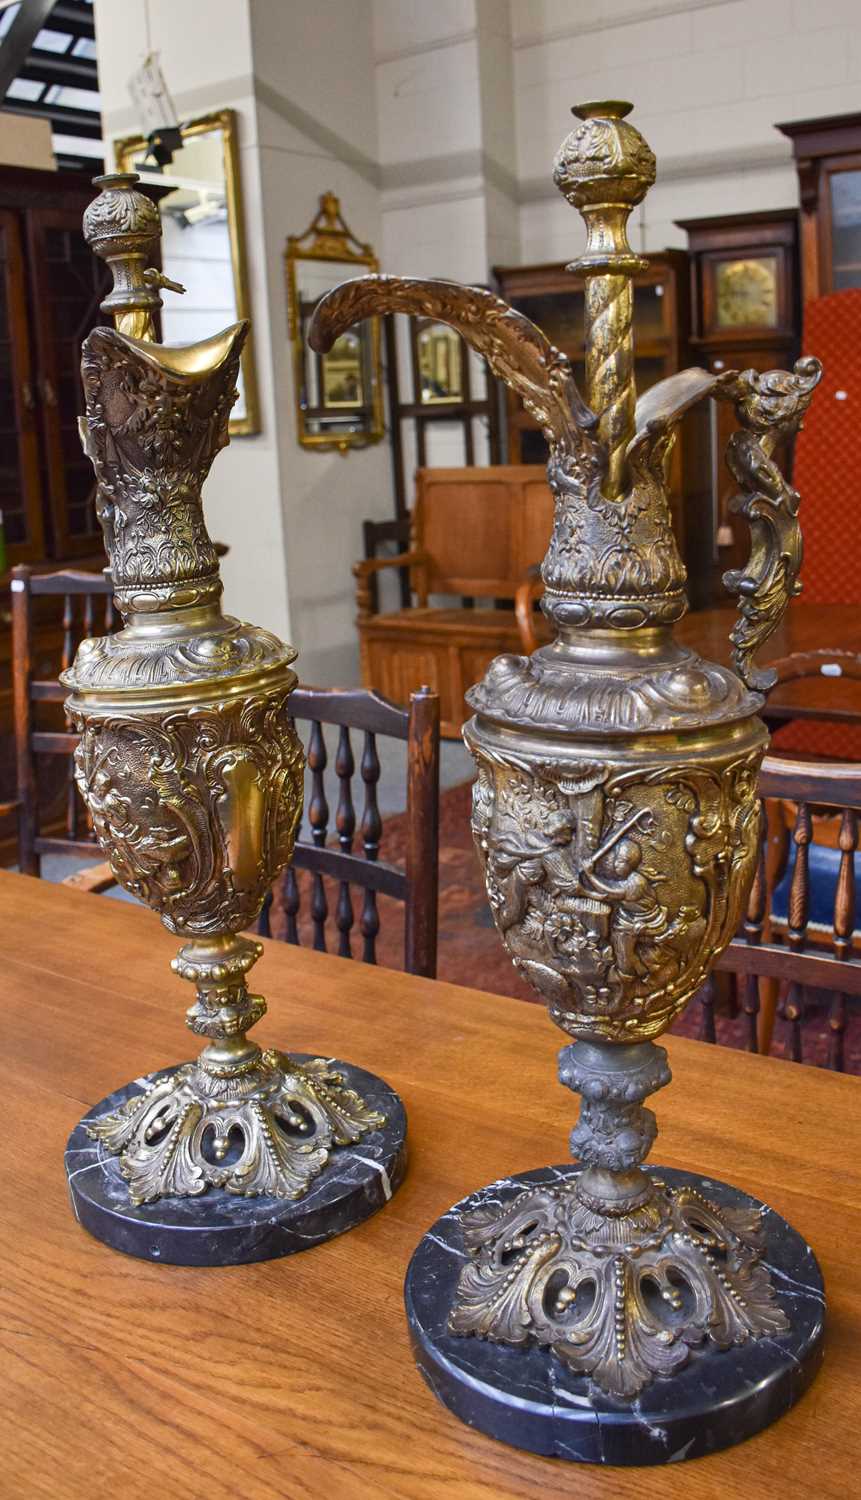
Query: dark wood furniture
[[279, 1402], [47, 795], [50, 289], [828, 158], [474, 534], [416, 886], [51, 286], [554, 298], [791, 956], [745, 314]]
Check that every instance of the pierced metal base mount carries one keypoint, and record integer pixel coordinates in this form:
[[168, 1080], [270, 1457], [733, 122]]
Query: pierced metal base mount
[[617, 1273], [277, 1118]]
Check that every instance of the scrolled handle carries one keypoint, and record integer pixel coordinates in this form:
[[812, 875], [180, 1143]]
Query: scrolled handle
[[770, 407]]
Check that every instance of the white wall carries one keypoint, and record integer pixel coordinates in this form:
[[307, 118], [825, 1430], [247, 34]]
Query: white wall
[[709, 79], [318, 131]]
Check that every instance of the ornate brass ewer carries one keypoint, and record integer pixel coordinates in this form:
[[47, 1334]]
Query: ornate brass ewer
[[188, 761], [615, 814]]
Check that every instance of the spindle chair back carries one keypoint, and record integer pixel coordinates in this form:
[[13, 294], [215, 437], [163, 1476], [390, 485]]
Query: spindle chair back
[[88, 609], [800, 958], [361, 711]]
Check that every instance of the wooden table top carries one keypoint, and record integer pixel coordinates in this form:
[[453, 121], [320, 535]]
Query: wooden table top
[[804, 627], [294, 1378]]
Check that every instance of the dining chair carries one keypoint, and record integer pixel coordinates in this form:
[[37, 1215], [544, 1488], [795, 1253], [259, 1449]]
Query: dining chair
[[808, 949], [43, 828], [817, 728], [362, 712]]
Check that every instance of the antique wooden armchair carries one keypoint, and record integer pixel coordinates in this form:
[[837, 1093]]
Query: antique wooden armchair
[[475, 532]]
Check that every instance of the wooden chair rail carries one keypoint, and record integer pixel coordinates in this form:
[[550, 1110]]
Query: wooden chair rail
[[68, 581], [47, 845], [48, 692], [376, 875], [351, 708], [829, 783], [367, 565], [48, 742], [817, 971]]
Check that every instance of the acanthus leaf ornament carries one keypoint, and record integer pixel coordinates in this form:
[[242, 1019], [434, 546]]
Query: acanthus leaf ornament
[[615, 810]]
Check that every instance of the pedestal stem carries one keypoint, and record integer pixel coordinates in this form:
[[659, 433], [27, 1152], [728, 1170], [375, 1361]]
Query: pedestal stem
[[619, 1274], [238, 1118], [614, 1133]]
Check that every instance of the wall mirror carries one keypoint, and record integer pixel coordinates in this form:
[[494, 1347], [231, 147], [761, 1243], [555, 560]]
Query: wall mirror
[[438, 356], [339, 394], [202, 241]]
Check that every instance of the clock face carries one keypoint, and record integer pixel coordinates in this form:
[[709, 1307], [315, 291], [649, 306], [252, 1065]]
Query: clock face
[[746, 293]]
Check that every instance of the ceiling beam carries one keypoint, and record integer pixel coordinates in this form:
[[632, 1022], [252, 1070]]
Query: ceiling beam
[[73, 72], [67, 121], [77, 19], [16, 44]]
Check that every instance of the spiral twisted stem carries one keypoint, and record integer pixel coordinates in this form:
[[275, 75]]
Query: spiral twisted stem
[[610, 386]]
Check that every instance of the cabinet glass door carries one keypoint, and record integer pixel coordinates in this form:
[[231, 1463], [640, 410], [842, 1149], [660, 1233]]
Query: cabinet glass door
[[845, 230]]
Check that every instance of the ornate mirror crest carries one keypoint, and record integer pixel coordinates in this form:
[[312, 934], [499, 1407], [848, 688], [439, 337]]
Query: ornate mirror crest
[[339, 393]]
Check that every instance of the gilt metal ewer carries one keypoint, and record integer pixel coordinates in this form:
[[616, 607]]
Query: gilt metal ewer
[[192, 772], [615, 814]]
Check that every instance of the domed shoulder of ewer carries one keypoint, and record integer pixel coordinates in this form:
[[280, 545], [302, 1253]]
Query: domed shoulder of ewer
[[117, 666], [544, 692]]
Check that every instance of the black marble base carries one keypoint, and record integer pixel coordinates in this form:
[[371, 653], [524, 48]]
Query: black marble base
[[526, 1397], [222, 1229]]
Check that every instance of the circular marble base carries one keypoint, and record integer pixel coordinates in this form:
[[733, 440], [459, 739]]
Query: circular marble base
[[528, 1398], [222, 1229]]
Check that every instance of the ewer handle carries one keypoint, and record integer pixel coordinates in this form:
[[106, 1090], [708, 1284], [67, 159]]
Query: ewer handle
[[770, 408]]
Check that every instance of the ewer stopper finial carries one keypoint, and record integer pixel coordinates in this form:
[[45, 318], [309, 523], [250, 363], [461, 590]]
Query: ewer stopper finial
[[605, 168], [123, 227]]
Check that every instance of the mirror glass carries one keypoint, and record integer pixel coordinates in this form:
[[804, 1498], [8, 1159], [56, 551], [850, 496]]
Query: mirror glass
[[439, 360], [202, 244], [338, 395]]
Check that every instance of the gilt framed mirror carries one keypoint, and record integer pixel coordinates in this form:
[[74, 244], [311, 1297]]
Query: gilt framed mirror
[[203, 241], [338, 395]]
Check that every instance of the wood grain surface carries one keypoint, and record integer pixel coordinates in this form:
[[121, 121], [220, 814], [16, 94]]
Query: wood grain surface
[[294, 1378]]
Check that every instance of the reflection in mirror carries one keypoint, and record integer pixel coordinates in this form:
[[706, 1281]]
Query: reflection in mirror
[[339, 394], [438, 357], [202, 241]]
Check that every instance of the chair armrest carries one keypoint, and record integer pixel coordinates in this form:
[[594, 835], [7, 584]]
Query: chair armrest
[[376, 564], [365, 572], [530, 588]]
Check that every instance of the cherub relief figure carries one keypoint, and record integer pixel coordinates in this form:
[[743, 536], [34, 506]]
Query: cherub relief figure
[[575, 885]]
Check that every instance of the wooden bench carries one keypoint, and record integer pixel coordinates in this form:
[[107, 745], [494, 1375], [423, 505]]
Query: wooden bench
[[475, 533]]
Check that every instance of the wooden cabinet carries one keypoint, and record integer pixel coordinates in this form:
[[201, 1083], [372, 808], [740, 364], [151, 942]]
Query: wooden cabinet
[[744, 315], [50, 288], [553, 298], [828, 157]]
